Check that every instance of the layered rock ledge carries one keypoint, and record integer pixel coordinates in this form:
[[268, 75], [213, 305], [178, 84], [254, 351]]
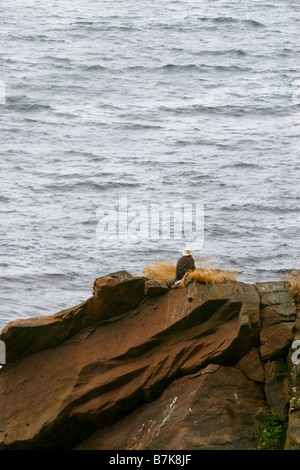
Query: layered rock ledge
[[141, 365]]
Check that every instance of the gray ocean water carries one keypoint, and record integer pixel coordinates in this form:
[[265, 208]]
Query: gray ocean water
[[188, 102]]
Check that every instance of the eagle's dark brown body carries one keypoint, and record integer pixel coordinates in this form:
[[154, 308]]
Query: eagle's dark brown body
[[184, 264]]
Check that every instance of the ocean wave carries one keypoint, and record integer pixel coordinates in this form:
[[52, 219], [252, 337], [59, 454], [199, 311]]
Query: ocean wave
[[230, 19], [170, 67], [245, 165], [226, 109], [39, 277], [138, 126], [26, 107], [222, 52], [205, 143], [28, 37], [93, 67], [257, 208], [81, 22], [85, 185], [202, 109], [57, 59]]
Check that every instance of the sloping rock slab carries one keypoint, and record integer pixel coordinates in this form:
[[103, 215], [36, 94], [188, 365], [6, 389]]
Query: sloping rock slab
[[154, 288], [211, 410], [59, 396], [114, 294]]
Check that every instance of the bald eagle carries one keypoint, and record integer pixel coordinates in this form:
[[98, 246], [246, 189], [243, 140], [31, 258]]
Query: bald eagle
[[184, 264]]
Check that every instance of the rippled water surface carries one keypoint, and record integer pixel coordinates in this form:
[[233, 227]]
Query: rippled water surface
[[188, 102]]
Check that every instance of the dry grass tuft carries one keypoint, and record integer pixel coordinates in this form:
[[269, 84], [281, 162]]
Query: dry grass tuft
[[293, 279], [208, 273], [209, 276], [212, 275], [160, 270]]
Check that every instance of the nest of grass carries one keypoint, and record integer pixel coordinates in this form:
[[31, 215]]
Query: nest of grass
[[209, 276], [204, 274]]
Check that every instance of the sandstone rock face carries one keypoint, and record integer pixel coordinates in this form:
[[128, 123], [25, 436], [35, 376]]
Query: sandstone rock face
[[277, 295], [276, 335], [140, 365], [280, 318], [192, 413], [153, 288], [113, 295]]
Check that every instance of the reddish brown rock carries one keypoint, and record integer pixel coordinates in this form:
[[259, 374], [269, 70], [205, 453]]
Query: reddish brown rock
[[211, 410], [277, 311], [269, 317], [277, 389], [28, 336], [108, 369], [127, 364], [277, 295], [275, 341], [251, 366], [154, 288], [114, 295]]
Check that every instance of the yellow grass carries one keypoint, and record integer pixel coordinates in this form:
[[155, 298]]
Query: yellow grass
[[160, 270], [212, 275], [293, 279], [204, 273], [209, 276]]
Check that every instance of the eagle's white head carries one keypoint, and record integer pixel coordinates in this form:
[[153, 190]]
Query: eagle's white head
[[186, 252]]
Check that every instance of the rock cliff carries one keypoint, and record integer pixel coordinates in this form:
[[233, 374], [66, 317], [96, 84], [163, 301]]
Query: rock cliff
[[141, 365]]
